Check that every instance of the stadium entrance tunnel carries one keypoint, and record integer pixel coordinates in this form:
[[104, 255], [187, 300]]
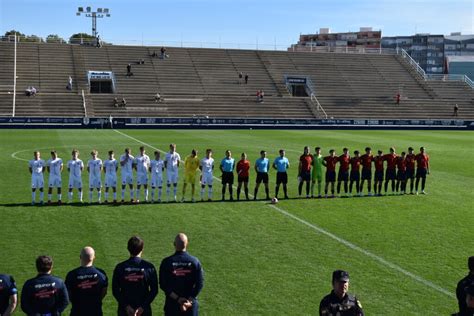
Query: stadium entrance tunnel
[[298, 86], [101, 81]]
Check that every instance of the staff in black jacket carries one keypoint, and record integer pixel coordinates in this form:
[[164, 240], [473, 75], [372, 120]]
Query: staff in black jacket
[[8, 295], [44, 294], [134, 282], [181, 278]]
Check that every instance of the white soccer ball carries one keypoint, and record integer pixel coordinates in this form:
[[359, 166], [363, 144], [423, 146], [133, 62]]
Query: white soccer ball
[[274, 200]]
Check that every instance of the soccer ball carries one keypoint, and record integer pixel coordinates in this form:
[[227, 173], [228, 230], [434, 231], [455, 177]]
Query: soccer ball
[[274, 200]]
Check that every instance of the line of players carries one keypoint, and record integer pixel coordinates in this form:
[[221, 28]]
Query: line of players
[[399, 170]]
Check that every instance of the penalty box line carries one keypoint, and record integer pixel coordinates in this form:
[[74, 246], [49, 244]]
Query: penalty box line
[[367, 253], [163, 152]]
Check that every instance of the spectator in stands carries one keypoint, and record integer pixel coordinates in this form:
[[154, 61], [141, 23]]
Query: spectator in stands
[[258, 96], [129, 70], [246, 78], [30, 91], [240, 77], [163, 53], [397, 98], [141, 62], [98, 41], [116, 102], [124, 103], [262, 94], [69, 84], [158, 98], [456, 110], [154, 54]]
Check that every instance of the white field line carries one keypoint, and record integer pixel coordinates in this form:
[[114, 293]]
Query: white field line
[[369, 254], [163, 152]]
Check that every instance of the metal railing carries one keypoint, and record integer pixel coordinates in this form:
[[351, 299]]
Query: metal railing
[[84, 103], [342, 50], [319, 107], [434, 77]]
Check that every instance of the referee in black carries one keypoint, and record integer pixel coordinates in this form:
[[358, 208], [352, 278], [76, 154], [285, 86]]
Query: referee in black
[[134, 282], [87, 286], [181, 278], [44, 294]]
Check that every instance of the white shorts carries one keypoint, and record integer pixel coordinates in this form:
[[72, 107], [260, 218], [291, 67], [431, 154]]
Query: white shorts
[[75, 182], [207, 179], [37, 181], [171, 177], [95, 183], [127, 178], [157, 181], [54, 182], [110, 181], [142, 179]]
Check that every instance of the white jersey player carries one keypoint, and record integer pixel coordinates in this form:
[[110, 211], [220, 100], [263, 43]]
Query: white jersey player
[[55, 167], [110, 170], [157, 166], [172, 160], [142, 164], [37, 168], [126, 163], [207, 167], [94, 167], [75, 166]]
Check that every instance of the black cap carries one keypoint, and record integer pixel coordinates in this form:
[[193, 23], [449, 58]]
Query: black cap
[[340, 275], [470, 289]]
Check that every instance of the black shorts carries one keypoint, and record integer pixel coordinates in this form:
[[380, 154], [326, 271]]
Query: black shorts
[[243, 179], [401, 175], [390, 174], [305, 175], [410, 173], [355, 175], [228, 178], [343, 175], [330, 176], [421, 173], [378, 176], [282, 177], [366, 174], [262, 177]]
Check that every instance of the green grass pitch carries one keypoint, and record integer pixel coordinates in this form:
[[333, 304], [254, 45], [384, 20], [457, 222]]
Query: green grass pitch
[[405, 254]]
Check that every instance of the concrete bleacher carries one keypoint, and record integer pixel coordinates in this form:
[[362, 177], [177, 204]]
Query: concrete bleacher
[[204, 82]]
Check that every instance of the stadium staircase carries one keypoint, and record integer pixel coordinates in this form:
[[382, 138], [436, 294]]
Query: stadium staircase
[[199, 82]]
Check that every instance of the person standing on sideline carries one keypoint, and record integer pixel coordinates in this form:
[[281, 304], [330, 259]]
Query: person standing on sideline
[[87, 286], [8, 295], [44, 294], [281, 165], [172, 160], [37, 168], [339, 302], [262, 166], [227, 169], [304, 171], [181, 279], [422, 169], [463, 284], [317, 171], [243, 167], [135, 282], [206, 165]]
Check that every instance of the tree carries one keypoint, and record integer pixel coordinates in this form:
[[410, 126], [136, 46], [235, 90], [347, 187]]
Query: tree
[[22, 37], [80, 38], [54, 38]]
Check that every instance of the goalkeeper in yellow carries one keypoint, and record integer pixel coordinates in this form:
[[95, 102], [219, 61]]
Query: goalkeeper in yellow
[[191, 166]]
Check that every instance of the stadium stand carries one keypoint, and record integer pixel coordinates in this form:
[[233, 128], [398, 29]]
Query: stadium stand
[[195, 82]]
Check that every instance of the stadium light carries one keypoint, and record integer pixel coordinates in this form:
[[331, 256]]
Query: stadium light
[[89, 13]]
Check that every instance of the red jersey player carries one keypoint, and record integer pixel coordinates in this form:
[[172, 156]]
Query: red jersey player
[[330, 163], [243, 167], [402, 173], [355, 173], [343, 174], [391, 173], [378, 176], [410, 160], [366, 162], [422, 169], [304, 171]]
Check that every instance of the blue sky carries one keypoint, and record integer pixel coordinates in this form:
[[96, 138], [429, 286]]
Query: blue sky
[[235, 21]]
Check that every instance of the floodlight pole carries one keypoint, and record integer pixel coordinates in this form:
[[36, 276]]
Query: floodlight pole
[[88, 13], [94, 24], [14, 79]]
